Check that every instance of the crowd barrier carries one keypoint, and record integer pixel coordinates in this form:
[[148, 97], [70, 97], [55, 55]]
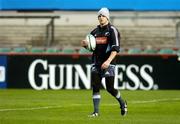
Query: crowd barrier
[[72, 71]]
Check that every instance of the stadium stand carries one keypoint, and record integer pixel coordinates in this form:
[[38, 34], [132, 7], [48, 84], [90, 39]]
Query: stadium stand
[[135, 32], [156, 26]]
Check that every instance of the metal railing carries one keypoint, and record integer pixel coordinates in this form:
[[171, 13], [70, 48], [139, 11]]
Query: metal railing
[[49, 27]]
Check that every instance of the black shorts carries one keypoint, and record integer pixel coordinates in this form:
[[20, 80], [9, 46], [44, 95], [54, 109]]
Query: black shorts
[[109, 72]]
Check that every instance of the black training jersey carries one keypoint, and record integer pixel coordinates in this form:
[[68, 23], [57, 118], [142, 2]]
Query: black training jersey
[[107, 40]]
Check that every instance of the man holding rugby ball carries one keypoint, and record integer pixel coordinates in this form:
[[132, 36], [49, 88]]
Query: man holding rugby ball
[[104, 60]]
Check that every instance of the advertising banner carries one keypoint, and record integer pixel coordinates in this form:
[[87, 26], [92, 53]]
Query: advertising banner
[[3, 65], [49, 72], [56, 72]]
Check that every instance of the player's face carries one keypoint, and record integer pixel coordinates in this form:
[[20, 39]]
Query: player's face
[[102, 20]]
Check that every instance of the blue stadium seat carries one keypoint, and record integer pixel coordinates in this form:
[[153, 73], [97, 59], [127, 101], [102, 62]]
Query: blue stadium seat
[[84, 51], [37, 50], [68, 50], [20, 49], [52, 50], [150, 51], [134, 51], [166, 51], [5, 49]]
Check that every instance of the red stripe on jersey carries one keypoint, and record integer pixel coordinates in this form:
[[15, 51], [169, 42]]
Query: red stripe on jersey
[[101, 40]]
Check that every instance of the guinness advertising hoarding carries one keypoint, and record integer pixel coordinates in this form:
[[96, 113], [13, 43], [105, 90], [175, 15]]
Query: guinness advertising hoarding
[[133, 72]]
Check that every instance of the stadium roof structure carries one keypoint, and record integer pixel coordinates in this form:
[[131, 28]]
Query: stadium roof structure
[[78, 5]]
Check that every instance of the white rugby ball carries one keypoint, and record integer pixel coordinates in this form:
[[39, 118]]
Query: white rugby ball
[[91, 41]]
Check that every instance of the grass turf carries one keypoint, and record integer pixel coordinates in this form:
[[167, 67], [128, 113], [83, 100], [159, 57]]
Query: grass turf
[[73, 106]]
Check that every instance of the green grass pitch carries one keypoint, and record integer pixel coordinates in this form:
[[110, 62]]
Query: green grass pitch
[[73, 107]]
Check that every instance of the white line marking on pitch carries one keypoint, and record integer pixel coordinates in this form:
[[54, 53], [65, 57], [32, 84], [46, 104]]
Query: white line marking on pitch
[[155, 100], [33, 108], [73, 105]]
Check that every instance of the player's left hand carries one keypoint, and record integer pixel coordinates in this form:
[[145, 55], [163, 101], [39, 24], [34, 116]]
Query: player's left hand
[[84, 43], [105, 65]]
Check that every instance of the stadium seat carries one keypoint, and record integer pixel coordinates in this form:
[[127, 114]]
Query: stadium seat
[[134, 51], [166, 51], [20, 49], [150, 51], [5, 49], [122, 50], [68, 50], [84, 51], [37, 50], [52, 50]]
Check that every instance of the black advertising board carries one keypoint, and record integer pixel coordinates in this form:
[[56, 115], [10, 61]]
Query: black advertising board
[[46, 71], [145, 72], [159, 71]]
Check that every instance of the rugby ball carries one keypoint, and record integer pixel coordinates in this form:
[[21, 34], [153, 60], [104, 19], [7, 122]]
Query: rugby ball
[[91, 42]]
